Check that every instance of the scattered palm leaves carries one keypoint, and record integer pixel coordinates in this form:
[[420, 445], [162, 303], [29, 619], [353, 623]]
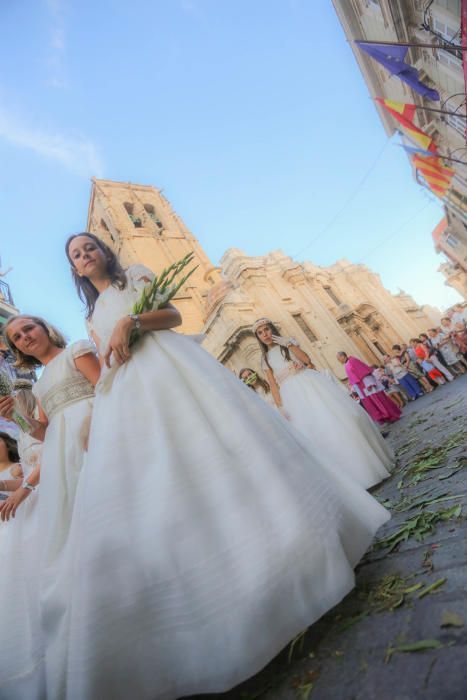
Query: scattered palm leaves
[[422, 524], [390, 592], [409, 503], [407, 446], [433, 587], [422, 645], [431, 458], [460, 464]]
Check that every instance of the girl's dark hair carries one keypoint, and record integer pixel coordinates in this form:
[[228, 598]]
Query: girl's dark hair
[[86, 290], [262, 382], [11, 446], [264, 348]]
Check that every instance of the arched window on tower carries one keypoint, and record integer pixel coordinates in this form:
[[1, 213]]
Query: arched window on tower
[[151, 212], [105, 228], [130, 211]]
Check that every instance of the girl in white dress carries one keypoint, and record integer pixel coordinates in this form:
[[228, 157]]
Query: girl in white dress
[[29, 449], [10, 469], [257, 383], [337, 426], [64, 392], [19, 554], [205, 535]]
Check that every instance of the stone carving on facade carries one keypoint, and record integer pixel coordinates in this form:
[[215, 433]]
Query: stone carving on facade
[[340, 307]]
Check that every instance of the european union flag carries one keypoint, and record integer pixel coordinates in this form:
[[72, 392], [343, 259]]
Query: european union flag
[[417, 151], [392, 56]]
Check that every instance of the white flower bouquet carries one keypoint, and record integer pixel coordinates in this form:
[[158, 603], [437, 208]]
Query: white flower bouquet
[[157, 294], [7, 388]]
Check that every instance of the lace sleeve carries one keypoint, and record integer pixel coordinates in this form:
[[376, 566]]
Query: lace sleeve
[[82, 347]]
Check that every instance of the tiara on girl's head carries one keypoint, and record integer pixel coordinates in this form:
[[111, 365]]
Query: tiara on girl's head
[[261, 322]]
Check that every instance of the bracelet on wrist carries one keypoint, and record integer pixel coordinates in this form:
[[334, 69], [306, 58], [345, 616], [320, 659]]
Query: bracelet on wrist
[[136, 321], [26, 485]]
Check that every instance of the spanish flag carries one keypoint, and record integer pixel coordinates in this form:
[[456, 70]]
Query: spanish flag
[[436, 175], [404, 113]]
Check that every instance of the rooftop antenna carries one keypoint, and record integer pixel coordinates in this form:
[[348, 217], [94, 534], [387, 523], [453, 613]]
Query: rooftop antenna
[[3, 273]]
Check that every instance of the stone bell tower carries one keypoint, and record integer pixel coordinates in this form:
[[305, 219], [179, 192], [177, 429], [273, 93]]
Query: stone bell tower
[[138, 222]]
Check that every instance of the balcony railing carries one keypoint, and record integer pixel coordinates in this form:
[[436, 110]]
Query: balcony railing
[[5, 294]]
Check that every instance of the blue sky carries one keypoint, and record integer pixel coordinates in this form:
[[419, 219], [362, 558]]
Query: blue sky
[[252, 116]]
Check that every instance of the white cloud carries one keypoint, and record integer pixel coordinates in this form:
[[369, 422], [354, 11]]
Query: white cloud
[[74, 152], [56, 56]]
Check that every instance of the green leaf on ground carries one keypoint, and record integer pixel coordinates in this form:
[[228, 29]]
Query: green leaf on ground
[[351, 621], [450, 618], [434, 587], [305, 690], [422, 645], [296, 641]]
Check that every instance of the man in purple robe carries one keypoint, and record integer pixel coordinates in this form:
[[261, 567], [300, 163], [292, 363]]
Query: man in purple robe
[[373, 399]]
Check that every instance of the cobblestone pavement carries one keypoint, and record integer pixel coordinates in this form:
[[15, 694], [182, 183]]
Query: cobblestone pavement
[[402, 633]]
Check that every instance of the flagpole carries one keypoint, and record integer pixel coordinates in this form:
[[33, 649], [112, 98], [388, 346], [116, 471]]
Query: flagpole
[[433, 109], [439, 155], [441, 111], [445, 47]]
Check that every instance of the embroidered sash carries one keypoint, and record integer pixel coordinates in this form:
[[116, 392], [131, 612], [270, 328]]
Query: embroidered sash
[[66, 393]]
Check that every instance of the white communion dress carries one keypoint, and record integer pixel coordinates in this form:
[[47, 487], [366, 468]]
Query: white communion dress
[[19, 600], [66, 398], [335, 424], [206, 534], [266, 396]]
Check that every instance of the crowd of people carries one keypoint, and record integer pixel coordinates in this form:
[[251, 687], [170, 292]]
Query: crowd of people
[[165, 531], [410, 371]]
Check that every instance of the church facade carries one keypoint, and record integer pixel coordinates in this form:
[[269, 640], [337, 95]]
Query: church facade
[[340, 307]]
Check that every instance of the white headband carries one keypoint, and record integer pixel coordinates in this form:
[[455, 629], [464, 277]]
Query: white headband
[[261, 322]]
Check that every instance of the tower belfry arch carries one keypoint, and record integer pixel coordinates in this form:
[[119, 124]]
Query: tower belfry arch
[[140, 225]]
